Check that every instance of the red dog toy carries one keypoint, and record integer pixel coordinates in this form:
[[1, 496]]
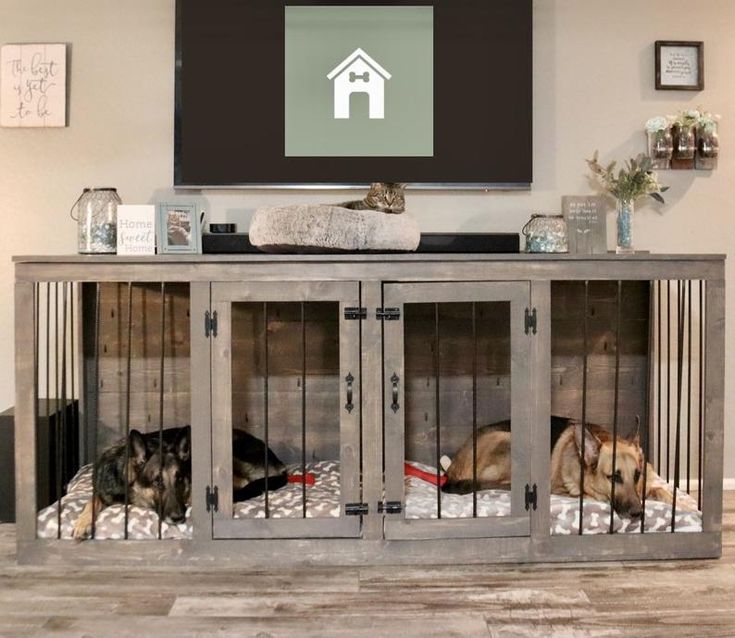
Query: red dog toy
[[429, 477], [309, 479]]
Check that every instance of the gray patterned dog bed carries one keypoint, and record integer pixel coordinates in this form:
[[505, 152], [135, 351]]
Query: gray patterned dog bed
[[323, 501]]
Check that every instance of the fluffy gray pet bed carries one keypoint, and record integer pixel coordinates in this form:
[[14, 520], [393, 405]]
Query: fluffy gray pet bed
[[321, 228]]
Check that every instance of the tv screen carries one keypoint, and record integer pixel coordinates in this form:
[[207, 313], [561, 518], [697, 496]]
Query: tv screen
[[436, 93]]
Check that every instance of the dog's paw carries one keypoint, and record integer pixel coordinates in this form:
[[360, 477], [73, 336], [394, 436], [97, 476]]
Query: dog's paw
[[81, 531], [83, 527]]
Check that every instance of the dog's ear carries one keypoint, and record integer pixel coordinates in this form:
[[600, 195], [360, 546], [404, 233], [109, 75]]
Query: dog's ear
[[636, 440], [183, 443], [591, 443], [137, 448]]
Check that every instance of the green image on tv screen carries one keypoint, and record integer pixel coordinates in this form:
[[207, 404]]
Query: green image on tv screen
[[359, 81]]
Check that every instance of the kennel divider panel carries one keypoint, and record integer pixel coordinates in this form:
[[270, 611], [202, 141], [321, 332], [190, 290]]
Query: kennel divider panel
[[224, 295], [517, 294]]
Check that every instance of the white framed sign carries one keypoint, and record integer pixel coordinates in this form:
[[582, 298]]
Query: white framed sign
[[679, 65], [136, 229], [33, 85]]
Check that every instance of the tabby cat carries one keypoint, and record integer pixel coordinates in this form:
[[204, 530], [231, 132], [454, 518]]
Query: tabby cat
[[386, 197]]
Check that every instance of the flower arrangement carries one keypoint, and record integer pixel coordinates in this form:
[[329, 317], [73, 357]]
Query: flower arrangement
[[707, 122], [658, 124], [687, 118], [633, 181]]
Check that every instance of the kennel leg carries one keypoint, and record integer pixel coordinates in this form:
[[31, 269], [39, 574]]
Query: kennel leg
[[714, 405], [25, 411]]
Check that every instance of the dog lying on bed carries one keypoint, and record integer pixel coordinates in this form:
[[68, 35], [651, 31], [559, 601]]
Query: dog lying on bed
[[159, 475], [568, 452]]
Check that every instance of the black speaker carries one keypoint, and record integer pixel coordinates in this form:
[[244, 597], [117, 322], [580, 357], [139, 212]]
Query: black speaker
[[57, 454]]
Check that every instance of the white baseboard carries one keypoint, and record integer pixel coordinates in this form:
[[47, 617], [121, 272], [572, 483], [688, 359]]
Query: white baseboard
[[728, 484]]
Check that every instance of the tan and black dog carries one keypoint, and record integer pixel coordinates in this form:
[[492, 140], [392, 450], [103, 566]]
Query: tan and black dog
[[494, 466], [158, 474]]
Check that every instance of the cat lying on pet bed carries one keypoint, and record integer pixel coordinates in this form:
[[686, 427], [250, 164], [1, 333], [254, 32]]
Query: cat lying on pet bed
[[374, 223]]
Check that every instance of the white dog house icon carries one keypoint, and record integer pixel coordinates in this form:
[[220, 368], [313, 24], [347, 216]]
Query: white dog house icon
[[359, 73]]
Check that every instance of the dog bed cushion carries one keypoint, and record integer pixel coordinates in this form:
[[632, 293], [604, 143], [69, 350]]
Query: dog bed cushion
[[323, 501], [322, 228]]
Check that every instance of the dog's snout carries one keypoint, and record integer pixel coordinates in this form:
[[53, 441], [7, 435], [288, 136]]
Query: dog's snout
[[627, 508], [176, 517], [636, 512]]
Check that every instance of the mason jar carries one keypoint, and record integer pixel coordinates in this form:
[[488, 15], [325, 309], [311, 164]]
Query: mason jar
[[546, 234], [96, 215]]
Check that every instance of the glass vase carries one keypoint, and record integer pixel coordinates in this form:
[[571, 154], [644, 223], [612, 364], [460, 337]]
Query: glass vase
[[96, 215], [708, 148], [624, 225], [685, 146], [661, 148]]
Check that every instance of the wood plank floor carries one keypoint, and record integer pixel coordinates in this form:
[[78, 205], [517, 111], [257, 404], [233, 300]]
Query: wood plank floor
[[642, 599]]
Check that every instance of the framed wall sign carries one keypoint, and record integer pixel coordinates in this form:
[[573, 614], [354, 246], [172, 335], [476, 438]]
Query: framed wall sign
[[679, 65], [586, 227], [178, 229], [33, 85]]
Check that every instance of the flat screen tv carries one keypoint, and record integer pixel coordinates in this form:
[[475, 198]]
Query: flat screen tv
[[274, 93]]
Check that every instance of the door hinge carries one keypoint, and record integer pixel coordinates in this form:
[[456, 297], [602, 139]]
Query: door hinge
[[530, 320], [211, 496], [531, 497], [354, 313], [389, 314], [356, 509], [390, 507], [210, 323]]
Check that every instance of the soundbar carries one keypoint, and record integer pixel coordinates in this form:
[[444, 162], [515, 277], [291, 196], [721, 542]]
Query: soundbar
[[477, 243]]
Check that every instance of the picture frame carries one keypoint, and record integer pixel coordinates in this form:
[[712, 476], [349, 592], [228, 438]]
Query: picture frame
[[679, 65], [178, 228]]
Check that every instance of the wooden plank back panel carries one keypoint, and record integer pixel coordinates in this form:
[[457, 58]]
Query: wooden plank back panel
[[111, 386], [567, 356]]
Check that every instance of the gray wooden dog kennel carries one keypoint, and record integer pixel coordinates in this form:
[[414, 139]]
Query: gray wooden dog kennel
[[361, 372]]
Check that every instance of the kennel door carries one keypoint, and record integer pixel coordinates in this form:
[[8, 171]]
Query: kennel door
[[286, 369], [457, 358]]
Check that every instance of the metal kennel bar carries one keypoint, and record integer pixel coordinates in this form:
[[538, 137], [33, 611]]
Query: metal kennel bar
[[616, 396], [265, 406], [585, 346], [303, 411], [160, 406], [474, 410], [97, 309], [437, 373], [128, 361]]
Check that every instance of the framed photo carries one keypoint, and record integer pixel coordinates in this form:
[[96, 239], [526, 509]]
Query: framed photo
[[178, 229], [679, 66]]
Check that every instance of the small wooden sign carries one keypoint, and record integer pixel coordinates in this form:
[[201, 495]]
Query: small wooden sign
[[586, 225], [136, 230], [33, 85]]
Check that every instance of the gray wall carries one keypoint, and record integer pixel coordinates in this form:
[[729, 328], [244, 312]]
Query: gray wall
[[593, 89]]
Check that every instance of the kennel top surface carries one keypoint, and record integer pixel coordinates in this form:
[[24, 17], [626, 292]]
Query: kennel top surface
[[400, 267], [361, 257]]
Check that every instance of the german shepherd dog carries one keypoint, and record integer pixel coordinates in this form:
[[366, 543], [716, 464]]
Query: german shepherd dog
[[568, 454], [158, 474]]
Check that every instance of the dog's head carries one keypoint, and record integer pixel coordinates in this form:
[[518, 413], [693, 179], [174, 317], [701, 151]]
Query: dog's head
[[163, 479], [627, 476]]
